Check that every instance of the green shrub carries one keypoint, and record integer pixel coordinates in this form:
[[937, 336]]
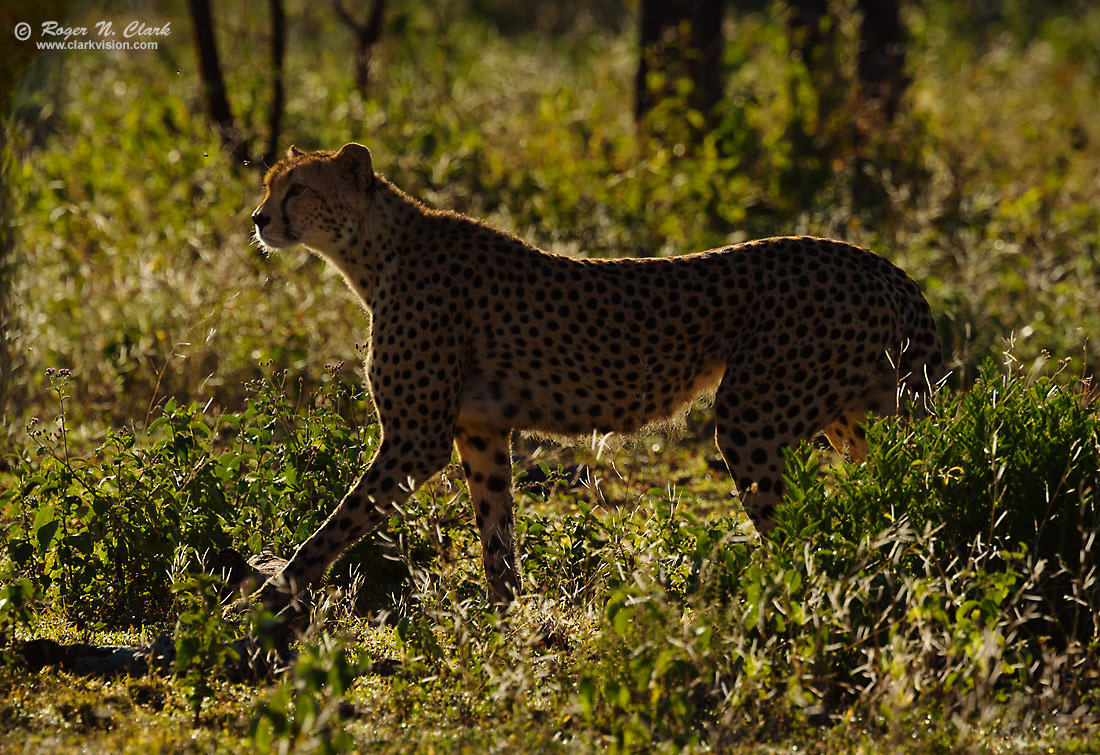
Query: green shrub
[[944, 582], [303, 712], [1013, 461], [105, 531], [203, 638]]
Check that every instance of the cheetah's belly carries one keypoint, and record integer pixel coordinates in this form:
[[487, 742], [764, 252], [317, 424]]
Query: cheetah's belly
[[576, 401]]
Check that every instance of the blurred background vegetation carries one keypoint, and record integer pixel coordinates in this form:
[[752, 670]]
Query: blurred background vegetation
[[959, 139]]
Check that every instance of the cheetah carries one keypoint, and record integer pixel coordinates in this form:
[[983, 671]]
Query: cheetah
[[477, 334]]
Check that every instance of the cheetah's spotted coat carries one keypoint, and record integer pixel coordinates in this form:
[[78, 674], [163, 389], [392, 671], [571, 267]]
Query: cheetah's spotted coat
[[476, 333]]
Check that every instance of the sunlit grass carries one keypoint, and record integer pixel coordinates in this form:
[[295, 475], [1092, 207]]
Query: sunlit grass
[[136, 269]]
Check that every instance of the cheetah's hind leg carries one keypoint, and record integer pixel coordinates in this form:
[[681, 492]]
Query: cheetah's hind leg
[[906, 376], [757, 415], [487, 463], [753, 423], [847, 434]]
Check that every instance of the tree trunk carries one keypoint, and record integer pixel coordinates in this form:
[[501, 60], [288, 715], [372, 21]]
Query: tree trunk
[[680, 38], [278, 51], [656, 17], [813, 40], [7, 273], [810, 30], [882, 55], [366, 37], [214, 99], [707, 48]]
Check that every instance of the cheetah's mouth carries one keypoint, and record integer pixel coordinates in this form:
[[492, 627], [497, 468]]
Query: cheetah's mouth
[[275, 240]]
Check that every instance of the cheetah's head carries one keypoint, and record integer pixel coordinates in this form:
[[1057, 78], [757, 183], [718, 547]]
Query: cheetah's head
[[318, 199]]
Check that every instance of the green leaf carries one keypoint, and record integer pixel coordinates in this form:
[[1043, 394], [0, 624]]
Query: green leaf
[[264, 737], [45, 526], [20, 551], [586, 694]]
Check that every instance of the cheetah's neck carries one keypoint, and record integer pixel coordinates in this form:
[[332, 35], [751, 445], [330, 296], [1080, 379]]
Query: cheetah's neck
[[382, 235]]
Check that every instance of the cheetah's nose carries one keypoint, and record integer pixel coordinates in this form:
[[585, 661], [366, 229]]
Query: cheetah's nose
[[260, 219]]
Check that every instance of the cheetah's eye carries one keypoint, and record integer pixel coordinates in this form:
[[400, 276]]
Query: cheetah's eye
[[295, 190]]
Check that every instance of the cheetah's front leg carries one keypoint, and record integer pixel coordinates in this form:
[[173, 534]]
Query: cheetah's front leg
[[487, 463], [396, 470]]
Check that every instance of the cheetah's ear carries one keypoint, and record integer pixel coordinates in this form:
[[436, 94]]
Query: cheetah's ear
[[358, 161], [294, 152]]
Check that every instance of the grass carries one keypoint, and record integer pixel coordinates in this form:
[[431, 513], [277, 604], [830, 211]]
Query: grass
[[939, 598], [652, 617]]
